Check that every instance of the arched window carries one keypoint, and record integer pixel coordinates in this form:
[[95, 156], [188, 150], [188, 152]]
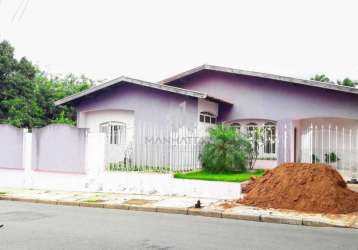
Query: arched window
[[115, 132], [207, 117], [236, 125], [270, 138], [250, 128]]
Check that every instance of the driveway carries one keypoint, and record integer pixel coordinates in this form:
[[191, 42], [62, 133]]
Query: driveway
[[35, 226]]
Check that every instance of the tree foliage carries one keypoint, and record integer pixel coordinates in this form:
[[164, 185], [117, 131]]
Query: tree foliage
[[320, 78], [345, 82], [27, 94]]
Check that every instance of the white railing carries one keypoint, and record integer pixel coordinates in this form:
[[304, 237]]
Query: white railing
[[331, 144], [155, 148]]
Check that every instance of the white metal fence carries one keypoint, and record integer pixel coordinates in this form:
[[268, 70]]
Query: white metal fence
[[331, 144], [154, 148]]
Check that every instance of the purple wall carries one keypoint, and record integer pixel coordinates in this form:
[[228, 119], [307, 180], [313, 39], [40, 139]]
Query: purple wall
[[149, 105], [11, 147], [59, 148], [273, 100]]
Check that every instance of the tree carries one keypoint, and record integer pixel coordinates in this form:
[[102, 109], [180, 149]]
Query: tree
[[320, 78], [347, 82], [256, 137], [27, 94]]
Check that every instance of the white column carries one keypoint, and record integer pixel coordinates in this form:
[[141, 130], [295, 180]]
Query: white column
[[27, 158], [95, 160]]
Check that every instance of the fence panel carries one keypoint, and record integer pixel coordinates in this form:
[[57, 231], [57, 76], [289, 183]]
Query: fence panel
[[11, 147], [59, 148], [154, 148]]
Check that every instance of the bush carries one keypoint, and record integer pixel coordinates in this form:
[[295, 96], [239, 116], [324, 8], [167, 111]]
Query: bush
[[225, 150]]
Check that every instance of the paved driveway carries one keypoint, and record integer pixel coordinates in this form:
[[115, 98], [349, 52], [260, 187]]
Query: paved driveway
[[35, 226]]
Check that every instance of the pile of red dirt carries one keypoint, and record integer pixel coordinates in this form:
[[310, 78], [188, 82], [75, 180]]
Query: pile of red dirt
[[303, 187]]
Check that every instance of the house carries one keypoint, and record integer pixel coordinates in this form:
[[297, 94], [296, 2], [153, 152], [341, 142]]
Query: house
[[303, 120]]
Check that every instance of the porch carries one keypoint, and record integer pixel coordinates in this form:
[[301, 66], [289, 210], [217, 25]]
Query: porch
[[332, 141]]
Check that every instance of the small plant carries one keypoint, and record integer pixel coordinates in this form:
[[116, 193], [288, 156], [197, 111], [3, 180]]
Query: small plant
[[315, 159], [225, 150], [117, 167], [331, 157]]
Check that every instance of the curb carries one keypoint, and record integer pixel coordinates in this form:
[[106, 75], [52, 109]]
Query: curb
[[228, 215], [183, 211], [280, 220]]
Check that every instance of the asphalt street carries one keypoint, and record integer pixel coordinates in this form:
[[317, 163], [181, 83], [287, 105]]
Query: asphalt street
[[38, 226]]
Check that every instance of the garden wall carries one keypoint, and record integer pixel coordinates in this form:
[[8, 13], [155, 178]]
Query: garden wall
[[59, 148], [91, 175], [11, 147]]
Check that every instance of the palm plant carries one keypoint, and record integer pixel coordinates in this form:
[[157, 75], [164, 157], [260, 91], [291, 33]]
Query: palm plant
[[226, 150]]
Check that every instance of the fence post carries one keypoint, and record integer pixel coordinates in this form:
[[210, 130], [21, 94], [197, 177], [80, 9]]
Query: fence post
[[95, 157], [27, 158]]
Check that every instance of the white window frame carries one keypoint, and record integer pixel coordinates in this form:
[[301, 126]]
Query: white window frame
[[236, 126], [270, 138], [265, 150], [115, 132], [207, 118]]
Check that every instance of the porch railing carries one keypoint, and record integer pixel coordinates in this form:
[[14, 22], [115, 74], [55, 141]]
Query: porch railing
[[331, 144]]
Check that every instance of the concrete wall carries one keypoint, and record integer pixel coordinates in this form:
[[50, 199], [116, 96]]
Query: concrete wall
[[149, 105], [11, 147], [59, 148], [256, 98]]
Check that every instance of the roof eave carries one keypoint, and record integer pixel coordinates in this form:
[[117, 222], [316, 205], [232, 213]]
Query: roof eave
[[124, 79], [293, 80]]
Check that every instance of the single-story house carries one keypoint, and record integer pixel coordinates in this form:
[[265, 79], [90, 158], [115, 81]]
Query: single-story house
[[304, 120]]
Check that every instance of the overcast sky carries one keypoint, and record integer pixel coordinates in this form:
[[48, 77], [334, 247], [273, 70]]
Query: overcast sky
[[155, 39]]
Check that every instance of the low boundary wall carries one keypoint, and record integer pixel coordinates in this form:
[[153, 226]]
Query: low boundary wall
[[95, 178]]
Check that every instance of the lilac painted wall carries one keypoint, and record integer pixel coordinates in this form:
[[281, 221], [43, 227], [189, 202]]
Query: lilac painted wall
[[269, 99], [59, 148], [149, 105], [11, 147]]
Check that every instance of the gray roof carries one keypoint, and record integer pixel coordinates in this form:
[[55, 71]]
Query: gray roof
[[311, 83], [124, 79]]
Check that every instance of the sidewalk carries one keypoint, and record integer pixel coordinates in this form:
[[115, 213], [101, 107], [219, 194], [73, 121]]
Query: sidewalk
[[177, 205]]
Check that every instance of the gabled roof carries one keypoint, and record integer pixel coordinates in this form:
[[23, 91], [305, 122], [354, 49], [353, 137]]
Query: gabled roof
[[124, 79], [293, 80]]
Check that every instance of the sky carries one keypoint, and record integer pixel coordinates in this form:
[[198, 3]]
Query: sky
[[152, 40]]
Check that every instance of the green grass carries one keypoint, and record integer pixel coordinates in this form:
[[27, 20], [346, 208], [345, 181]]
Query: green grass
[[3, 193], [227, 176], [93, 200]]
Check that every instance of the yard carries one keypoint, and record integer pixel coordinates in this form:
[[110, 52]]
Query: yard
[[226, 176]]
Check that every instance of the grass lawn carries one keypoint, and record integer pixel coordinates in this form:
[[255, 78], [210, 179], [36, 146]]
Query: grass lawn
[[227, 176]]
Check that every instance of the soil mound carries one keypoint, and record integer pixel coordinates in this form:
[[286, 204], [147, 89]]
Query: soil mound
[[303, 187]]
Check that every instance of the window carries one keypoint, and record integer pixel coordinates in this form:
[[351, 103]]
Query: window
[[250, 128], [207, 117], [236, 126], [270, 138], [115, 132]]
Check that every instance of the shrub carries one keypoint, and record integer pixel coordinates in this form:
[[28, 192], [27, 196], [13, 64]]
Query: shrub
[[225, 150]]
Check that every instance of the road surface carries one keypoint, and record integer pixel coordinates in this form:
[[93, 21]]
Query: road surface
[[38, 226]]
